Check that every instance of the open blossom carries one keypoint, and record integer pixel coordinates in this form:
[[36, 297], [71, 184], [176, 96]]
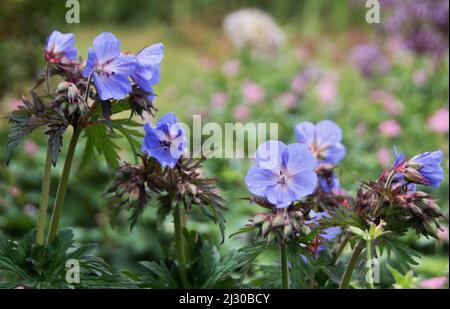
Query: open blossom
[[369, 59], [282, 174], [166, 142], [252, 92], [147, 71], [111, 70], [60, 48], [323, 140], [439, 121], [390, 128]]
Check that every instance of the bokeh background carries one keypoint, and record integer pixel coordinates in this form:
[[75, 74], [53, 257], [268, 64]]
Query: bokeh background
[[288, 61]]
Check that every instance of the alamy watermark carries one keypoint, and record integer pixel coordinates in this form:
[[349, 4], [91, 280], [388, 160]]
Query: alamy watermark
[[73, 12], [373, 12]]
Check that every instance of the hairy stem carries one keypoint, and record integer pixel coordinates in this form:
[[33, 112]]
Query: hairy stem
[[43, 201], [62, 187], [351, 264], [47, 77], [284, 266], [179, 245], [369, 265]]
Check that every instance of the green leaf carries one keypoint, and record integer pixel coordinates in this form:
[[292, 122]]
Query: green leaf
[[134, 137], [100, 139]]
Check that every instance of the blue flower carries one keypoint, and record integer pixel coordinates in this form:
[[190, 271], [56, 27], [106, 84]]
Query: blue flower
[[330, 184], [148, 67], [60, 48], [425, 169], [166, 142], [322, 139], [111, 69], [282, 174]]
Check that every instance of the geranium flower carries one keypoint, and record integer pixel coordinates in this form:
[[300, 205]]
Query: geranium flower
[[147, 71], [111, 69], [60, 48], [322, 139], [166, 142], [282, 174]]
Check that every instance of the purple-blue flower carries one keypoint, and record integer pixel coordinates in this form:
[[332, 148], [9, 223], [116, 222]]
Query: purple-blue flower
[[330, 184], [322, 139], [425, 169], [60, 48], [111, 70], [148, 66], [282, 174], [166, 142]]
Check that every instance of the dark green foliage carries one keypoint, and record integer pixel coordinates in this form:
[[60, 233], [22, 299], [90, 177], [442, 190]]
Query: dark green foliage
[[34, 266], [207, 268], [32, 115]]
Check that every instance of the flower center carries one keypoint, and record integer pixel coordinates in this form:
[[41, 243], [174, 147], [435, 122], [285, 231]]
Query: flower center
[[282, 179], [165, 144]]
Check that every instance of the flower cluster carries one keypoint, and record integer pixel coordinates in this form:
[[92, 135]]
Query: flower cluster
[[395, 198], [292, 180]]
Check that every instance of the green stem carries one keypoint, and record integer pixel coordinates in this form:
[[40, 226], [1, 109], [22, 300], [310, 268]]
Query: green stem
[[351, 264], [341, 247], [62, 187], [284, 267], [43, 202], [369, 267], [179, 245]]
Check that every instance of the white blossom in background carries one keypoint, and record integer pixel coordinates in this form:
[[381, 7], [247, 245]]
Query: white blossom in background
[[254, 29]]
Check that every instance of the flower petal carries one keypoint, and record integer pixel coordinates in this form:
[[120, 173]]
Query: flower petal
[[298, 158], [280, 195], [112, 87], [305, 133], [327, 133], [91, 62], [258, 180], [269, 155], [303, 183], [106, 47], [333, 153]]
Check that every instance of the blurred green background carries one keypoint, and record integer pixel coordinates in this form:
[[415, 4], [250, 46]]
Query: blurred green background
[[331, 65]]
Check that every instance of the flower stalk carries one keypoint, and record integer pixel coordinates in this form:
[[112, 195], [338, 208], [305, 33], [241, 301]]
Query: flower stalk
[[179, 244], [351, 264], [62, 187], [43, 202], [284, 266]]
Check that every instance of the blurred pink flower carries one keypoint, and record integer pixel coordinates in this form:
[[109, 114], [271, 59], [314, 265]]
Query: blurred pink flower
[[252, 92], [241, 113], [361, 129], [434, 283], [208, 62], [439, 121], [390, 104], [231, 68], [299, 84], [219, 99], [419, 78], [30, 147], [14, 191], [442, 234], [390, 128], [14, 104], [327, 91], [288, 100], [384, 156]]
